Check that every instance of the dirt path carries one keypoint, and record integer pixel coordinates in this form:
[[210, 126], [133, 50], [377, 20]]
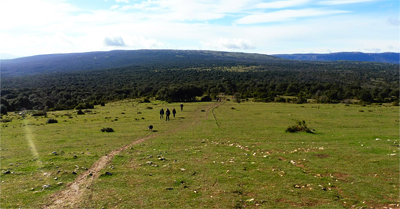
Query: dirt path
[[72, 194]]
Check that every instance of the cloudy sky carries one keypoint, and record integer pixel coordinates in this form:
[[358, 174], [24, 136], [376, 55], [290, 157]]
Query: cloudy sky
[[31, 27]]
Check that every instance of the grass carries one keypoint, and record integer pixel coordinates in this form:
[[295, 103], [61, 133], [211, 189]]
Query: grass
[[245, 159]]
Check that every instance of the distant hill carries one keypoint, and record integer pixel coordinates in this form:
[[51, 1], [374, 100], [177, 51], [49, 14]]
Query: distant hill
[[139, 58], [350, 56]]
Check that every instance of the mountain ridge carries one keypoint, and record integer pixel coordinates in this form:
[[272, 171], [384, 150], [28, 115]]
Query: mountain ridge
[[385, 57], [169, 59]]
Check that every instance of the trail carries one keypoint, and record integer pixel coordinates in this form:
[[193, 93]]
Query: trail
[[72, 194], [213, 112]]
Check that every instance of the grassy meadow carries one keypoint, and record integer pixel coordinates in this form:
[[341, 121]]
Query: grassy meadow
[[230, 156]]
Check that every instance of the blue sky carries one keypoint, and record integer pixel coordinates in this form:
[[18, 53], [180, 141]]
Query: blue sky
[[31, 27]]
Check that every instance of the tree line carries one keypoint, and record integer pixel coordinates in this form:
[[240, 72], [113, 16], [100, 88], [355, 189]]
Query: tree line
[[325, 82]]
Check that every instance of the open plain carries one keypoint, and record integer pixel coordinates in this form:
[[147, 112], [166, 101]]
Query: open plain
[[211, 155]]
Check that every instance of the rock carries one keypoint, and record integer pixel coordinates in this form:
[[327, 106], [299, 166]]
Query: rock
[[54, 153], [11, 164], [55, 178], [73, 172], [149, 162], [59, 183], [161, 158], [182, 169], [75, 156], [7, 172], [45, 186], [169, 188], [296, 186], [32, 189], [108, 173]]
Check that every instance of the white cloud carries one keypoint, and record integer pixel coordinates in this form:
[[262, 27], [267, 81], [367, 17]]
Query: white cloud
[[228, 44], [114, 41], [393, 21], [114, 7], [124, 1], [282, 4], [285, 15], [27, 13], [336, 2]]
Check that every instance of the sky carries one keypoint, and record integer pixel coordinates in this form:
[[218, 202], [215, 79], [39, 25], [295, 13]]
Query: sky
[[33, 27]]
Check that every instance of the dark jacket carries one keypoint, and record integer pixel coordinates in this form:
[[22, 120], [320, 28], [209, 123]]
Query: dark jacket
[[162, 112], [167, 112]]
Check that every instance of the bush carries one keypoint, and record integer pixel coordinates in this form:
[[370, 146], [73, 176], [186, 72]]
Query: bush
[[107, 130], [280, 99], [102, 104], [80, 112], [52, 121], [39, 113], [395, 103], [6, 120], [150, 108], [206, 99], [3, 109], [84, 106], [300, 127]]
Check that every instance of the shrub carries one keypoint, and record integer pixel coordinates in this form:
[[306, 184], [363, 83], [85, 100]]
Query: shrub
[[80, 112], [149, 108], [206, 99], [146, 100], [107, 130], [52, 121], [39, 113], [6, 120], [300, 127], [280, 99], [395, 103], [102, 104], [84, 106], [3, 109]]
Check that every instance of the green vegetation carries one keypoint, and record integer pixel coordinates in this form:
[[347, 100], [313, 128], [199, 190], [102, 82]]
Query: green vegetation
[[77, 81], [230, 156]]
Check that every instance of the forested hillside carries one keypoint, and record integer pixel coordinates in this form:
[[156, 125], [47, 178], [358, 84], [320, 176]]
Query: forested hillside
[[173, 81], [149, 59], [388, 57]]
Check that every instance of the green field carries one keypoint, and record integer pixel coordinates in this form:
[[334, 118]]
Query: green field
[[226, 156]]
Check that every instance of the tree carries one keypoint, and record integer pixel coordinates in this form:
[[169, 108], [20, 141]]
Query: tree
[[3, 109], [366, 96]]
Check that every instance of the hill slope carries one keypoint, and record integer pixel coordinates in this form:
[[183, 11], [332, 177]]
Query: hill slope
[[114, 59], [350, 56]]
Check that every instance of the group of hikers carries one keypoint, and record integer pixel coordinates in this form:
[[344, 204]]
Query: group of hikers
[[168, 112]]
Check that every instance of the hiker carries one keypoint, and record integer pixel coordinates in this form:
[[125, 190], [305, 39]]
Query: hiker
[[173, 112], [167, 113], [161, 113], [181, 106]]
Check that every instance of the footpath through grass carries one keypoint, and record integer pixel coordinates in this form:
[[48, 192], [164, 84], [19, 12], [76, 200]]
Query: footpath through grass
[[244, 159]]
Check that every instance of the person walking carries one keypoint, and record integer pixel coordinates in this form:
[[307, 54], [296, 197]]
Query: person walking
[[181, 106], [173, 112], [161, 113], [167, 113]]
